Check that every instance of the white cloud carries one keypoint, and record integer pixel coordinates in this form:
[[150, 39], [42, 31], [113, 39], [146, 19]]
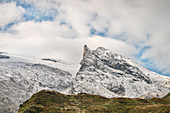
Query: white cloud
[[9, 12], [129, 20], [47, 29], [46, 40]]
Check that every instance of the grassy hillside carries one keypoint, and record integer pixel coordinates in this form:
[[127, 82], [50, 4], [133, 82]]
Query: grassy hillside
[[53, 102]]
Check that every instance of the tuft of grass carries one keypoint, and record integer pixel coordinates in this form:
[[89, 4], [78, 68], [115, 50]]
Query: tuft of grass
[[53, 102]]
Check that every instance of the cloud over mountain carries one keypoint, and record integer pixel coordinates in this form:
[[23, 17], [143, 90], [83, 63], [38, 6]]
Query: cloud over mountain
[[137, 29]]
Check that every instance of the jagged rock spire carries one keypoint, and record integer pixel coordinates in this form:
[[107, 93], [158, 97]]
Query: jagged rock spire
[[84, 51], [85, 47]]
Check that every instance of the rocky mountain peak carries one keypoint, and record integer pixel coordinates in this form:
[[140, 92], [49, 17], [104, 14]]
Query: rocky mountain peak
[[109, 74]]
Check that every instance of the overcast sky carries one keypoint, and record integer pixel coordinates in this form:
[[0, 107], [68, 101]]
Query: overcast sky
[[138, 29]]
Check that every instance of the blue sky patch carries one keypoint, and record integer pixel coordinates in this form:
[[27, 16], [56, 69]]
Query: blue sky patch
[[7, 26], [32, 13], [99, 33]]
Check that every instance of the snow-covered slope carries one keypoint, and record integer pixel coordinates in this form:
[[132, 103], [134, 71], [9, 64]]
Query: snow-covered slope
[[20, 78], [112, 75], [52, 62], [67, 66]]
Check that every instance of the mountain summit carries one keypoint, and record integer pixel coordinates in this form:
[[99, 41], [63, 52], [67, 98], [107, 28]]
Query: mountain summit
[[109, 74]]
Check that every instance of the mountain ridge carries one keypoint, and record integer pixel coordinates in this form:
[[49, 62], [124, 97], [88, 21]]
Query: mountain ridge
[[102, 72]]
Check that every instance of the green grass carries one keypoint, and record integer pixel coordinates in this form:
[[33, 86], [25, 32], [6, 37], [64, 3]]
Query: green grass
[[53, 102]]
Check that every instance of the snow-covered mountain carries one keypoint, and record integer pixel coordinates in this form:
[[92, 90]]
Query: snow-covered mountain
[[20, 78], [109, 74], [101, 72]]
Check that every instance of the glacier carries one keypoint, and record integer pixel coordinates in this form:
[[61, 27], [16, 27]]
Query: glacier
[[21, 77]]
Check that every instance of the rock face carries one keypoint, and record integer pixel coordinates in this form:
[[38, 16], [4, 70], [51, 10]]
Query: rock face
[[20, 80], [4, 57], [109, 74]]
